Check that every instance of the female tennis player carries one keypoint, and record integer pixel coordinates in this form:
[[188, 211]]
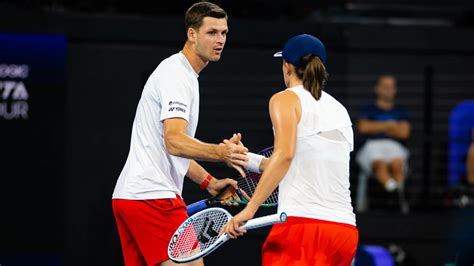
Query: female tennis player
[[310, 163]]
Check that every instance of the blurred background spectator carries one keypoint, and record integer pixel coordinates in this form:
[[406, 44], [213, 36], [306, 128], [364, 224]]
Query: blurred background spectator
[[470, 163], [386, 128]]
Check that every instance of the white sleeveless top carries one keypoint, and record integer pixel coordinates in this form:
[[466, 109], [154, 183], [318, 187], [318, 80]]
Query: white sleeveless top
[[317, 182]]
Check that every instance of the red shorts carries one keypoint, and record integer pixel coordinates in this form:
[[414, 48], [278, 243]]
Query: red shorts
[[146, 226], [310, 242]]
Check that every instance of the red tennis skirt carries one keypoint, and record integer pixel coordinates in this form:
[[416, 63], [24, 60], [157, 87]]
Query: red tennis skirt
[[146, 226], [310, 242]]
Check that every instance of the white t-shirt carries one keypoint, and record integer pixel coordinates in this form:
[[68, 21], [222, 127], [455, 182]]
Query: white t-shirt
[[150, 172], [317, 182]]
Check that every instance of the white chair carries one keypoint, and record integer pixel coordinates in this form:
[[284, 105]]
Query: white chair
[[362, 199]]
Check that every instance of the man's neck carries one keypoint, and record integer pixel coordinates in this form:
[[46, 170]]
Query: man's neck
[[384, 104], [196, 62]]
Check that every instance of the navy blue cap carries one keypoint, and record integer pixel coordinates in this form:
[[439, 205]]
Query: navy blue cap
[[300, 46]]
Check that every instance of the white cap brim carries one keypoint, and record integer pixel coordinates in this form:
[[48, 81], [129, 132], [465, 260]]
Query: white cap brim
[[278, 54]]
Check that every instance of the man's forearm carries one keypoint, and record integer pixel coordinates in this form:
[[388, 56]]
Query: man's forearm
[[196, 172], [213, 186], [401, 131], [371, 127], [185, 146]]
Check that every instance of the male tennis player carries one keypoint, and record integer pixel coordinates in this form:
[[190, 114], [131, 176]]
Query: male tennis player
[[147, 200], [313, 139]]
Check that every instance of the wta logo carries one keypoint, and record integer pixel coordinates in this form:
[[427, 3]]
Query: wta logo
[[13, 93]]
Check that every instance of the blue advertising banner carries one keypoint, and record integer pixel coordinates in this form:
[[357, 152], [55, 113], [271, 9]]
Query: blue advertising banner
[[32, 85], [32, 68]]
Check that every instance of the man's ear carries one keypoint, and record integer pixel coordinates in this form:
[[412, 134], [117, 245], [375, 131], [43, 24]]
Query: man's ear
[[192, 34]]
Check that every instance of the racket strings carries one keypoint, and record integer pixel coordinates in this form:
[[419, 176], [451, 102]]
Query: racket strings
[[249, 183], [199, 234], [273, 198]]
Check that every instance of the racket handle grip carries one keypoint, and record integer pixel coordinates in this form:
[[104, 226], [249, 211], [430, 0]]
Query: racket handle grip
[[196, 207], [265, 221]]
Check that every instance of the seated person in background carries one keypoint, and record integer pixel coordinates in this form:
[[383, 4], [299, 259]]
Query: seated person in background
[[470, 163], [385, 126]]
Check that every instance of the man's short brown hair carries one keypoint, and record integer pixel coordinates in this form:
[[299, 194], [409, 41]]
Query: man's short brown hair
[[197, 12]]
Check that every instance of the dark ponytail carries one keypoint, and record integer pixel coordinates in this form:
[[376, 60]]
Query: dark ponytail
[[314, 75]]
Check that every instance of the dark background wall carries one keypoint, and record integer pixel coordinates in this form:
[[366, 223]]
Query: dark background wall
[[111, 56]]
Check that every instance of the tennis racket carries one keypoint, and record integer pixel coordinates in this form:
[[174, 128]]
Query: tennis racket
[[246, 188], [198, 236], [211, 202]]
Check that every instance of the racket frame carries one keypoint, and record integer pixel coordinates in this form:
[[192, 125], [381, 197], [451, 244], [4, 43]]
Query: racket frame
[[251, 224]]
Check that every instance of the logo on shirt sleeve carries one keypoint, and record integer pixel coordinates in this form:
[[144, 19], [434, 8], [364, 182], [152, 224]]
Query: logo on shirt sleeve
[[177, 106]]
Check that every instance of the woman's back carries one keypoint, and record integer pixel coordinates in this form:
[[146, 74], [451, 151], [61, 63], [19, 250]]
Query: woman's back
[[317, 182]]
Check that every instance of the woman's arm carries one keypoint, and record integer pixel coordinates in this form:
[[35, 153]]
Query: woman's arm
[[285, 110]]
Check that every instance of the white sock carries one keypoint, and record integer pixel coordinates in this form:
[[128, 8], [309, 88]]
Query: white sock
[[391, 185]]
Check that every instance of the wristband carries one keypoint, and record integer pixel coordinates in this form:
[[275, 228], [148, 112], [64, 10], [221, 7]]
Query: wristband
[[254, 162], [206, 181]]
